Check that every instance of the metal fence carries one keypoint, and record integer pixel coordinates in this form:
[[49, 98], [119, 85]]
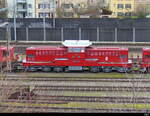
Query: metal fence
[[92, 34], [111, 30]]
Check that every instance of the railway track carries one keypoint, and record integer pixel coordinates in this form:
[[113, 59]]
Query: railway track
[[78, 79], [81, 88], [39, 109], [44, 85], [67, 99], [85, 84]]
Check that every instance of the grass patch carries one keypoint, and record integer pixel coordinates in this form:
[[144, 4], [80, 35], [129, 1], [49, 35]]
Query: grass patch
[[99, 93], [77, 75], [85, 105]]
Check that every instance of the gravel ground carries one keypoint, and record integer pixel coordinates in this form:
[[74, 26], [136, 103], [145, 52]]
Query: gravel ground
[[71, 83], [97, 94]]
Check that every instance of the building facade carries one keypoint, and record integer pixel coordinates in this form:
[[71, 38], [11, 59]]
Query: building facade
[[121, 8], [21, 8], [48, 8], [70, 8], [3, 14], [32, 8], [3, 3], [142, 6], [45, 8]]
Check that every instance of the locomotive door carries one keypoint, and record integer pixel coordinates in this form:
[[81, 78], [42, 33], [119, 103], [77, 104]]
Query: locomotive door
[[76, 54]]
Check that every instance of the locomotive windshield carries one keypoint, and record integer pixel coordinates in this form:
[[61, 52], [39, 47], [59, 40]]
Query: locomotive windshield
[[5, 53], [76, 50]]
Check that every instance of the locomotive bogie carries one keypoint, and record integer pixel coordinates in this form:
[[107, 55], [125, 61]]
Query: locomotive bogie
[[46, 69], [143, 70], [58, 69]]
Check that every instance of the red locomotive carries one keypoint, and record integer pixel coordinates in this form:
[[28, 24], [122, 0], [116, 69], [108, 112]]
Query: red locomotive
[[145, 63], [6, 55], [77, 55]]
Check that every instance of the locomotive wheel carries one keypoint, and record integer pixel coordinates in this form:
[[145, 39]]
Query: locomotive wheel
[[58, 69], [107, 70], [129, 70], [32, 69], [148, 70], [123, 70], [66, 69], [94, 69], [46, 69]]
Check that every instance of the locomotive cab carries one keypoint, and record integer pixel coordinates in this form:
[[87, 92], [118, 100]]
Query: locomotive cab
[[145, 66], [76, 52]]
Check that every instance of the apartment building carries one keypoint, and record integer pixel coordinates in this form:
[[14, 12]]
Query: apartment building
[[3, 3], [68, 6], [22, 8], [48, 8], [122, 7], [45, 8], [25, 8], [32, 8]]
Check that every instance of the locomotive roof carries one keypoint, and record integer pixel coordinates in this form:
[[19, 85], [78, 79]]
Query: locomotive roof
[[77, 43], [45, 48], [108, 48], [146, 49], [4, 48]]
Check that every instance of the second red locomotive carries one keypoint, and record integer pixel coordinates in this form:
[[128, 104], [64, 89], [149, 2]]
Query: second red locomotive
[[6, 55]]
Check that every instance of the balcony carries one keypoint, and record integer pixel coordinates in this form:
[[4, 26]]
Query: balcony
[[21, 10], [21, 1]]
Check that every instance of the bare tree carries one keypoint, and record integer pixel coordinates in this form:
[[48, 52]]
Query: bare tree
[[4, 14], [141, 11]]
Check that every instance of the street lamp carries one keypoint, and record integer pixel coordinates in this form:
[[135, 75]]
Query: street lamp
[[54, 13], [14, 7], [44, 26], [14, 15], [8, 44]]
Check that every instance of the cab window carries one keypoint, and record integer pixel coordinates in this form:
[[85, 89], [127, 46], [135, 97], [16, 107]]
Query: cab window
[[5, 53], [123, 56], [147, 56], [30, 56], [75, 50]]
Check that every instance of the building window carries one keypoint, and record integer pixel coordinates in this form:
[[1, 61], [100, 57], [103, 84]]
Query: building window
[[128, 14], [120, 6], [31, 55], [67, 6], [128, 6], [30, 14], [43, 6], [75, 50], [44, 15], [30, 5], [68, 14], [120, 14]]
